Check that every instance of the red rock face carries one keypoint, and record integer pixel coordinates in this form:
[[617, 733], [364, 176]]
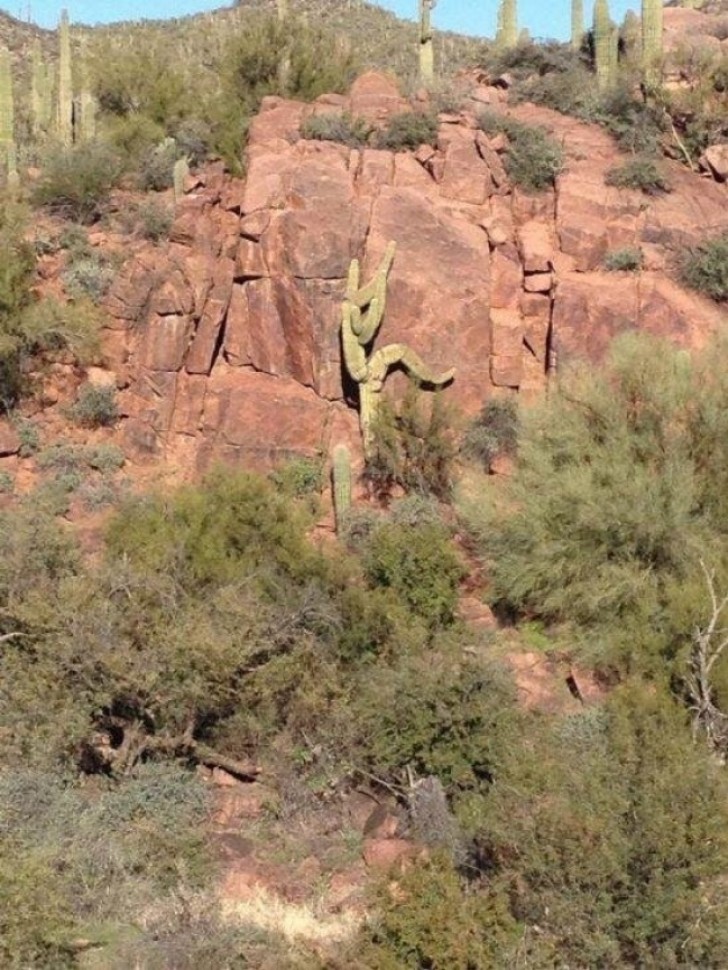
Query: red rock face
[[228, 339]]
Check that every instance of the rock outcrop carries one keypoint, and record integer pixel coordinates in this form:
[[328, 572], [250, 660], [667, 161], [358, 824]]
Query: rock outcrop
[[227, 342]]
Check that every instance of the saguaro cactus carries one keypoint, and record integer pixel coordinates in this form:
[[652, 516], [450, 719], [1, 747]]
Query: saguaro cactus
[[577, 23], [7, 104], [65, 82], [13, 179], [180, 174], [40, 92], [341, 480], [358, 331], [282, 8], [603, 44], [427, 53], [652, 40], [507, 33]]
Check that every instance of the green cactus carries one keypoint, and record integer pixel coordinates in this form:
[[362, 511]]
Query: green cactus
[[652, 40], [427, 53], [358, 330], [632, 34], [40, 108], [180, 174], [7, 104], [282, 8], [603, 45], [13, 179], [84, 109], [341, 479], [65, 83], [613, 52], [577, 24], [507, 33]]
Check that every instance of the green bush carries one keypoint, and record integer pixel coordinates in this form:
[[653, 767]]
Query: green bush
[[155, 221], [156, 170], [627, 260], [17, 265], [95, 406], [407, 130], [342, 128], [420, 565], [639, 173], [612, 839], [76, 182], [88, 277], [705, 268], [494, 432], [533, 158]]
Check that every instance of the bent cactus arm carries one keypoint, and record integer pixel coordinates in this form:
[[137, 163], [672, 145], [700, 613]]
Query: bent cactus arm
[[387, 357]]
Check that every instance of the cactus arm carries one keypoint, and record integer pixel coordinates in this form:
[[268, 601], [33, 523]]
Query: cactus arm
[[341, 481], [362, 296], [355, 357], [393, 354]]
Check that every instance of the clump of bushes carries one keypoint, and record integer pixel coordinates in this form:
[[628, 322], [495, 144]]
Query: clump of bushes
[[342, 128], [533, 159], [493, 433], [408, 130], [76, 182], [705, 268], [627, 260], [95, 406], [638, 173]]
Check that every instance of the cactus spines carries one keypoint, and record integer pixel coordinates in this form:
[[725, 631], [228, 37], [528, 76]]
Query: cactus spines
[[652, 40], [577, 24], [7, 104], [358, 330], [603, 44], [65, 83], [341, 479], [507, 33], [427, 54], [180, 174], [13, 179]]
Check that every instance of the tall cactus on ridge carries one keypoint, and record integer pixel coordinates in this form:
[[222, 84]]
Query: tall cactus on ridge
[[652, 40], [507, 34], [65, 83], [41, 109], [358, 331], [427, 53], [7, 104], [603, 44], [577, 23]]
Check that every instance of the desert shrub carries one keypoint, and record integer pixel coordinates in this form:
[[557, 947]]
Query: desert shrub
[[88, 277], [412, 447], [76, 182], [407, 130], [638, 173], [342, 128], [133, 137], [29, 436], [415, 510], [95, 406], [705, 268], [533, 159], [433, 920], [155, 220], [529, 59], [627, 260], [612, 840], [50, 325], [493, 433], [603, 522], [300, 477], [16, 272], [7, 483], [104, 458], [157, 166], [420, 565], [74, 240]]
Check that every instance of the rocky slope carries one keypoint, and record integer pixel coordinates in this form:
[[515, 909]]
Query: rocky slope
[[225, 345]]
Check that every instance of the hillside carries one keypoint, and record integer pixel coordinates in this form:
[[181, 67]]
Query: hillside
[[363, 499]]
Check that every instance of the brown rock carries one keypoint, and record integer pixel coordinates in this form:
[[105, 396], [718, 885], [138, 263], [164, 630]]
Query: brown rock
[[377, 169], [384, 854], [506, 277], [174, 296], [375, 97], [537, 283], [254, 225], [491, 159], [165, 342], [536, 246], [249, 261], [506, 332], [506, 370], [466, 177], [9, 439]]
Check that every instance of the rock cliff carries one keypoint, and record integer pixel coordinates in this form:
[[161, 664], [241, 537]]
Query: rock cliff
[[226, 343]]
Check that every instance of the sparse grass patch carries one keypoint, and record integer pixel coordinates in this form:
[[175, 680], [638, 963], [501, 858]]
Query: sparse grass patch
[[94, 406], [494, 432], [639, 173], [341, 128], [408, 131], [76, 182], [627, 260], [705, 268], [533, 158]]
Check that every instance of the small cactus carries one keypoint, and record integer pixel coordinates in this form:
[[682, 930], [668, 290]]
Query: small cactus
[[427, 54], [341, 479], [180, 174], [65, 83], [577, 24], [507, 33]]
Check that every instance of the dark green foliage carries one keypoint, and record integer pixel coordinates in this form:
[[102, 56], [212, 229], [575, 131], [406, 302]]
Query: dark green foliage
[[419, 564], [609, 827], [342, 128], [90, 277], [627, 260], [527, 60], [705, 268], [300, 477], [76, 182], [155, 220], [94, 407], [16, 272], [533, 158], [408, 130], [638, 173], [413, 447], [157, 164], [494, 432]]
